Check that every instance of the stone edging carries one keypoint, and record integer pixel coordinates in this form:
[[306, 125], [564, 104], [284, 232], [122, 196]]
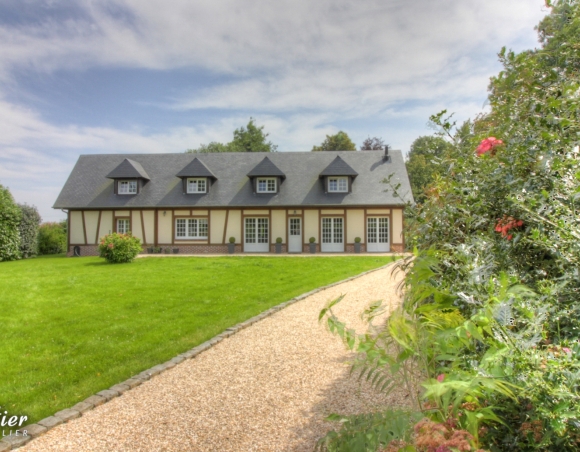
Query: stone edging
[[101, 397]]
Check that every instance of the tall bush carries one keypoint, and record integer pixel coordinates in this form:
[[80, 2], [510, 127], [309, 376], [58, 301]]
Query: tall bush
[[119, 248], [52, 238], [10, 216], [29, 230]]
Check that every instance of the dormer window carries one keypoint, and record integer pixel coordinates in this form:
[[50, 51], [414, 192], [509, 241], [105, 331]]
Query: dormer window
[[197, 185], [338, 184], [266, 184], [127, 187]]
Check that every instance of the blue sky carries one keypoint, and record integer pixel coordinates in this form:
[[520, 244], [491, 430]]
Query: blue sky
[[136, 76]]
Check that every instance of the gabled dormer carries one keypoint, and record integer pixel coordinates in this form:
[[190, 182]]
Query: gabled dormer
[[266, 177], [196, 178], [338, 177], [129, 178]]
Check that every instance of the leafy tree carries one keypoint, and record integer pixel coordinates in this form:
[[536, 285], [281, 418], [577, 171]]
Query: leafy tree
[[424, 163], [10, 216], [29, 230], [52, 238], [373, 144], [337, 142], [246, 139]]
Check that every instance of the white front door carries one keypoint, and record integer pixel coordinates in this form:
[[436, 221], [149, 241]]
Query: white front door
[[332, 235], [378, 234], [295, 235], [256, 235]]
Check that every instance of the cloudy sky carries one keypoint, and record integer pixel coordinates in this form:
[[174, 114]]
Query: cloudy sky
[[135, 76]]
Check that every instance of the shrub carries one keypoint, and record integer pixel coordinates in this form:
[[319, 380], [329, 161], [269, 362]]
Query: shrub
[[29, 230], [10, 216], [232, 240], [52, 238], [119, 248], [312, 240], [357, 240], [279, 240]]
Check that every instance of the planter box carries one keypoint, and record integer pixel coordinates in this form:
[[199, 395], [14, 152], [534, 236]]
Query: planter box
[[357, 247], [278, 248], [231, 248], [175, 250], [312, 248], [150, 250]]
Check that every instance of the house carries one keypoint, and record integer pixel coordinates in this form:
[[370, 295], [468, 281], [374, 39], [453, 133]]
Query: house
[[194, 203]]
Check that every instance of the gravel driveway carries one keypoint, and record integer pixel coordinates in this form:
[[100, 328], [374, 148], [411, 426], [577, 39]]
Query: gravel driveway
[[266, 388]]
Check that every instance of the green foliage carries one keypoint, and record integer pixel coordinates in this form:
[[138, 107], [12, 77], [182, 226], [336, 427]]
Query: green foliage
[[119, 248], [29, 230], [232, 240], [52, 238], [368, 432], [10, 216], [246, 139], [338, 142], [424, 163], [312, 240]]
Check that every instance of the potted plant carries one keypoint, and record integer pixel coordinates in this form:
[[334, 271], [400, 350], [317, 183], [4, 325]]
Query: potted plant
[[150, 250], [278, 245], [232, 245], [175, 250], [357, 244], [157, 249], [167, 250], [312, 241]]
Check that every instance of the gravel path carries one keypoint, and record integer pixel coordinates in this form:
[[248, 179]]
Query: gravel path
[[266, 388]]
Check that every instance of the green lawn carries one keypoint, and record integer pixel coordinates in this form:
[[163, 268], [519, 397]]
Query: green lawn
[[71, 327]]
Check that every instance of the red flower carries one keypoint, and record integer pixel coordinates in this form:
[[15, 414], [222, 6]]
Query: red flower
[[488, 144], [440, 378]]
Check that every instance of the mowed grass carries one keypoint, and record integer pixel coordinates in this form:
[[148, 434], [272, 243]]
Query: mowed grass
[[70, 327]]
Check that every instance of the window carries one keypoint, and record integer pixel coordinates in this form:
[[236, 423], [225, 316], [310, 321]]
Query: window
[[197, 185], [127, 187], [123, 225], [338, 184], [267, 185], [191, 228]]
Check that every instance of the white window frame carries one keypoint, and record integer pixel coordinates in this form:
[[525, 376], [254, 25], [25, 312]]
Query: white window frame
[[127, 187], [338, 180], [197, 181], [270, 188], [191, 225], [124, 221]]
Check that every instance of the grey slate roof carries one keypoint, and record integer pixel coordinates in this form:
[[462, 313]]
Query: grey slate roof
[[88, 186], [266, 168], [128, 169], [195, 169], [338, 167]]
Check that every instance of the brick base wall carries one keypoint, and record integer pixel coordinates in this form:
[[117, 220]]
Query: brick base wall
[[86, 250], [93, 250], [397, 248]]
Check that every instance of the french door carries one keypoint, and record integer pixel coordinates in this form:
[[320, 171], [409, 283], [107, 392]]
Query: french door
[[256, 235], [378, 234], [332, 235], [295, 235]]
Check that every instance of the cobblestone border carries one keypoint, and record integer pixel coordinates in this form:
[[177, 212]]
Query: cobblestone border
[[101, 397]]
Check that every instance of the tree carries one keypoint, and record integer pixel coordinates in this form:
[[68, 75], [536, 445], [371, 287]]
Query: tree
[[424, 163], [337, 142], [246, 139], [373, 144], [29, 230], [10, 216], [52, 238]]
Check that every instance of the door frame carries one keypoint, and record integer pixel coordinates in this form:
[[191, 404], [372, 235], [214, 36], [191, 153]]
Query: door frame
[[244, 231], [343, 216], [388, 242], [298, 217]]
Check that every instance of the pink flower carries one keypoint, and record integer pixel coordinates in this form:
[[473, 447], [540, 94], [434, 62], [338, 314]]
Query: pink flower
[[111, 245], [566, 350], [440, 378], [488, 144]]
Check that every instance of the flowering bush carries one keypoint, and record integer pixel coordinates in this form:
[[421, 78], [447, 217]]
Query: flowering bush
[[488, 145], [119, 248]]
